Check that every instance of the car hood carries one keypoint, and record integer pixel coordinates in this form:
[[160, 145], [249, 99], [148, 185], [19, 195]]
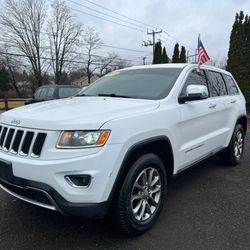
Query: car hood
[[76, 112]]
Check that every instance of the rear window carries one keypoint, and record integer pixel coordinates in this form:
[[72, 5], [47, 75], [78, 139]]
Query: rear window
[[67, 92], [216, 84], [231, 86], [144, 83]]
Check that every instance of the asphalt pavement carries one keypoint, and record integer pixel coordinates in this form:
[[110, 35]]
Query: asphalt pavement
[[208, 207]]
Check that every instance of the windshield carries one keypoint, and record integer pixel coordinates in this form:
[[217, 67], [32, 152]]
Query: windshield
[[135, 83]]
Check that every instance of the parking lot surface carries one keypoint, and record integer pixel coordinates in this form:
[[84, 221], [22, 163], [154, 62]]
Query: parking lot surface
[[208, 207]]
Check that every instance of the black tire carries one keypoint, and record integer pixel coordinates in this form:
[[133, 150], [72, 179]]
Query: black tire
[[229, 156], [128, 221]]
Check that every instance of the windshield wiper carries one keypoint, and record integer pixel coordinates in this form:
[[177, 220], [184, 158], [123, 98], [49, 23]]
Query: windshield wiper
[[115, 95], [83, 95]]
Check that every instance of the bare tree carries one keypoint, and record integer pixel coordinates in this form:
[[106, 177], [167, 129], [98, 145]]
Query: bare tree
[[92, 42], [13, 67], [106, 64], [63, 33], [122, 63], [23, 21]]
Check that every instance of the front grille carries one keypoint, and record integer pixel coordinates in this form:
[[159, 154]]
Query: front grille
[[22, 142]]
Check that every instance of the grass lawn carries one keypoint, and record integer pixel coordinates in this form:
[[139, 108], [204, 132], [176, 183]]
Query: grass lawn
[[11, 104]]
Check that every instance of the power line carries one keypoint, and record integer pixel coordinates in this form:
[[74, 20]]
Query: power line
[[81, 54], [120, 14], [52, 59], [145, 24], [102, 13], [109, 46], [86, 13]]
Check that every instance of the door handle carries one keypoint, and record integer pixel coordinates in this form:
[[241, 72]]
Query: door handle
[[233, 101], [212, 105]]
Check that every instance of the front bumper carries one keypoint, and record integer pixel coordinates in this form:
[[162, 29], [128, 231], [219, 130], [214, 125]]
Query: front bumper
[[45, 196], [43, 183]]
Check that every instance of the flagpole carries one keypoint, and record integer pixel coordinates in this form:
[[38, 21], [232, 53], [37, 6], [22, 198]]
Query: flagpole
[[197, 49]]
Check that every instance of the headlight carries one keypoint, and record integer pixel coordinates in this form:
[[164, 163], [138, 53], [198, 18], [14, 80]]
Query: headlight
[[79, 139]]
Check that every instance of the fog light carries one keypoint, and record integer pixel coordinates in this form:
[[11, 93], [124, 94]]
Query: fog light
[[78, 180]]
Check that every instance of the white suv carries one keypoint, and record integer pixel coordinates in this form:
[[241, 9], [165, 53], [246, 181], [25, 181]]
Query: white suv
[[116, 145]]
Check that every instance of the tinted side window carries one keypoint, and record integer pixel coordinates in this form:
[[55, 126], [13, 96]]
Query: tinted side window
[[216, 84], [231, 86], [195, 77], [37, 93], [50, 92], [67, 92], [43, 93]]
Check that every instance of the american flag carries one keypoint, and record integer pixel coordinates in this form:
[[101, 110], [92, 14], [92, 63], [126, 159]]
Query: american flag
[[202, 53]]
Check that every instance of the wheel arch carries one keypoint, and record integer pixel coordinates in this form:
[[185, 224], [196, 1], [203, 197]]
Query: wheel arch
[[160, 145], [242, 120]]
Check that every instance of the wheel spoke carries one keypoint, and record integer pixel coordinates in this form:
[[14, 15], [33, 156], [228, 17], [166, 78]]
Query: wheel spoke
[[143, 207], [137, 208], [136, 197], [148, 208], [154, 181], [236, 150], [156, 189], [150, 177], [137, 185], [144, 178], [239, 137], [152, 201]]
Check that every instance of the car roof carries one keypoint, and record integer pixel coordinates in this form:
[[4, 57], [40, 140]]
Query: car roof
[[57, 85], [176, 65]]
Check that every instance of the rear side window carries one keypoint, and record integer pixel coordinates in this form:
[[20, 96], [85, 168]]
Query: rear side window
[[216, 84], [231, 86], [194, 78]]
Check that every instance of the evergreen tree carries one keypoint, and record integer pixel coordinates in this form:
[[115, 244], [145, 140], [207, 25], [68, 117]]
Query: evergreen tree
[[165, 58], [176, 55], [239, 53], [4, 79], [236, 48], [157, 53], [183, 58]]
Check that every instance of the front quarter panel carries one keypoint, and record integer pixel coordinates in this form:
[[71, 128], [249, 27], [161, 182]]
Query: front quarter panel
[[133, 130]]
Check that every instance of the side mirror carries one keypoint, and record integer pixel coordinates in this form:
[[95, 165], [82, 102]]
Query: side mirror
[[194, 92]]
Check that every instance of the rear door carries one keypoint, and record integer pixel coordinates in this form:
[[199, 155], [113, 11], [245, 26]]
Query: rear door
[[234, 101], [220, 97], [200, 126]]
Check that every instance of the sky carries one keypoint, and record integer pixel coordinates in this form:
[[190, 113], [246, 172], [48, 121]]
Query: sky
[[180, 21]]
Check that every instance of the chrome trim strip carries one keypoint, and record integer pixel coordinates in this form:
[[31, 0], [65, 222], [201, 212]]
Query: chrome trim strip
[[71, 183], [191, 149], [5, 138], [12, 141], [29, 200]]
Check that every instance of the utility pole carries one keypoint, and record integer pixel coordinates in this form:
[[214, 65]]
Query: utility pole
[[149, 43]]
